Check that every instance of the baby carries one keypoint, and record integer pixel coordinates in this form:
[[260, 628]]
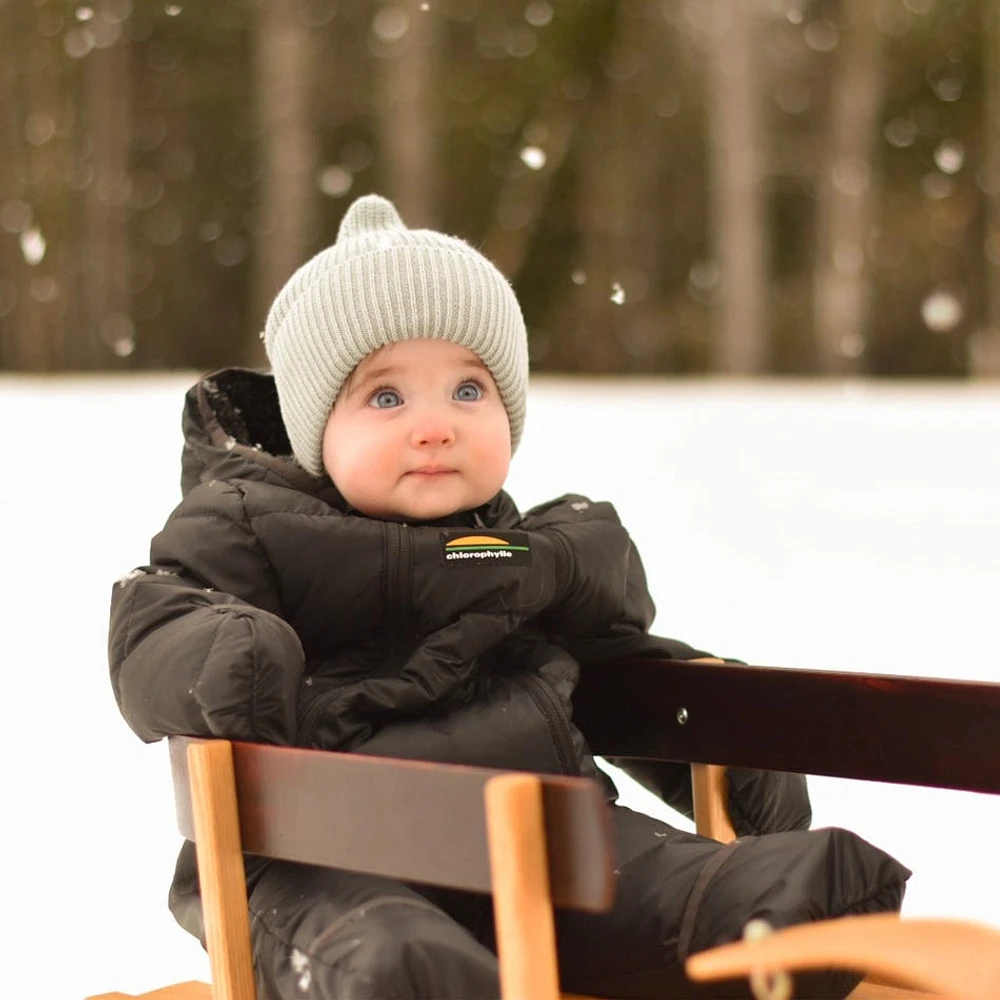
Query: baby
[[345, 572]]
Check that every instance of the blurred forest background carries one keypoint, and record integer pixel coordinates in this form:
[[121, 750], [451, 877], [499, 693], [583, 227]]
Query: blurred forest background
[[724, 186]]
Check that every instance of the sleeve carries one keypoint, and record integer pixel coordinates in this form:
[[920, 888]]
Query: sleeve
[[603, 610], [594, 560], [759, 801], [197, 645]]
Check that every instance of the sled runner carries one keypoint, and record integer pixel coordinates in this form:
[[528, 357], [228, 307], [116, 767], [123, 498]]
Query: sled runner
[[538, 840]]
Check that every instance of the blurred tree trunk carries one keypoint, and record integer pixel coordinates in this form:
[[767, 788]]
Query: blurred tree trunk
[[406, 118], [523, 199], [984, 353], [846, 189], [13, 178], [636, 296], [38, 320], [611, 302], [288, 158], [105, 329], [739, 226]]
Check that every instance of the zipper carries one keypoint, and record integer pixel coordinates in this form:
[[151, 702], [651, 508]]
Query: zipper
[[397, 587], [397, 590], [390, 546], [554, 715]]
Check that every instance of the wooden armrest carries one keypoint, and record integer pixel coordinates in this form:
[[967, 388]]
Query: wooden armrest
[[949, 957], [779, 719]]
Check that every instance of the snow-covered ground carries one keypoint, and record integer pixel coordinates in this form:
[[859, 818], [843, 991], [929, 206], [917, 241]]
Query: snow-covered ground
[[840, 526]]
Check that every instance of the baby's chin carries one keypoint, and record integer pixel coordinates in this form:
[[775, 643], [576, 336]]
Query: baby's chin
[[428, 510], [422, 502], [425, 512]]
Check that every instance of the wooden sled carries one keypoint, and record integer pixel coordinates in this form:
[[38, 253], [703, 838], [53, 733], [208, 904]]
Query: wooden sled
[[536, 841]]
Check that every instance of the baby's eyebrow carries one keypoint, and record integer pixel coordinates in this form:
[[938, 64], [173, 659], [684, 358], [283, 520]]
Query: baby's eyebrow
[[375, 375], [474, 363]]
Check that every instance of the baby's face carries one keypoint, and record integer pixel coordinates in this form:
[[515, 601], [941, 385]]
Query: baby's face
[[418, 432]]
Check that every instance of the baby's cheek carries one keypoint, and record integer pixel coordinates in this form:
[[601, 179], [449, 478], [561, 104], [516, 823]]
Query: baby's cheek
[[366, 483]]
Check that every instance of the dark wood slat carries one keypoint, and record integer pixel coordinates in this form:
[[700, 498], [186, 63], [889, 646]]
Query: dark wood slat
[[910, 730], [403, 819]]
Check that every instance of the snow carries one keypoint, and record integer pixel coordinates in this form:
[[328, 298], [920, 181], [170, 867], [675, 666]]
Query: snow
[[847, 526]]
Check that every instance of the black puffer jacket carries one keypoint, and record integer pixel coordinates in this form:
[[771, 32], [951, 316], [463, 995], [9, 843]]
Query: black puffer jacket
[[272, 612]]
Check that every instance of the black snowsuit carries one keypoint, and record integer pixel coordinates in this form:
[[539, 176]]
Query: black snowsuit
[[272, 612]]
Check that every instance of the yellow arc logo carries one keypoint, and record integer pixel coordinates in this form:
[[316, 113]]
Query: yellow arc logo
[[475, 540]]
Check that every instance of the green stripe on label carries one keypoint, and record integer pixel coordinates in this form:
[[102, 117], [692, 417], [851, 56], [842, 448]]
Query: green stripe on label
[[487, 548]]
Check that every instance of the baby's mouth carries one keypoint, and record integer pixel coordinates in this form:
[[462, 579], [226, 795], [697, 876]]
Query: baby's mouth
[[432, 470]]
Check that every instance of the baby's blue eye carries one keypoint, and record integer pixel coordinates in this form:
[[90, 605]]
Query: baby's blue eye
[[469, 392], [385, 399]]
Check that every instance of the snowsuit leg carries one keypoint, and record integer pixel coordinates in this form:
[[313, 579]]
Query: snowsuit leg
[[320, 932], [679, 893], [323, 933]]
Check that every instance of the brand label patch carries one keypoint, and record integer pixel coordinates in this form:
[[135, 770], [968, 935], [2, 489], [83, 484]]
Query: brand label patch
[[505, 548]]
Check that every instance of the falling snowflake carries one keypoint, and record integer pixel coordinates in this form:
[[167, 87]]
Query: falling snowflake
[[44, 289], [851, 345], [901, 132], [78, 42], [118, 332], [33, 245], [941, 310], [335, 181], [538, 13], [533, 157], [949, 156], [617, 294], [390, 24]]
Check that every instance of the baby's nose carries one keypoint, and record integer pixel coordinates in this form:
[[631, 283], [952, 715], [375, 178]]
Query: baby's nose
[[433, 428]]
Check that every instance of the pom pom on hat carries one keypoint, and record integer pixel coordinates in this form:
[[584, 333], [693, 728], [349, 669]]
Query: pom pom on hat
[[378, 284]]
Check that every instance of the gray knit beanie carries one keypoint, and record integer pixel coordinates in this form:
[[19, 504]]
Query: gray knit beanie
[[378, 284]]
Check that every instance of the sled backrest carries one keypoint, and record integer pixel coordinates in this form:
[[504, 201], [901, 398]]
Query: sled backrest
[[531, 840], [399, 818]]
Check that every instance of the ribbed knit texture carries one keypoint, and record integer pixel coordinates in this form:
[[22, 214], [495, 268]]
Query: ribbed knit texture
[[378, 284]]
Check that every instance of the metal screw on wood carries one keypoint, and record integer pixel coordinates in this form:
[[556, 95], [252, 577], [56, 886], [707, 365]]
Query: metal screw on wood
[[682, 716]]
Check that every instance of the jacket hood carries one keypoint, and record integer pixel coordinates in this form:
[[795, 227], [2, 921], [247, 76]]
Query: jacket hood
[[233, 430]]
